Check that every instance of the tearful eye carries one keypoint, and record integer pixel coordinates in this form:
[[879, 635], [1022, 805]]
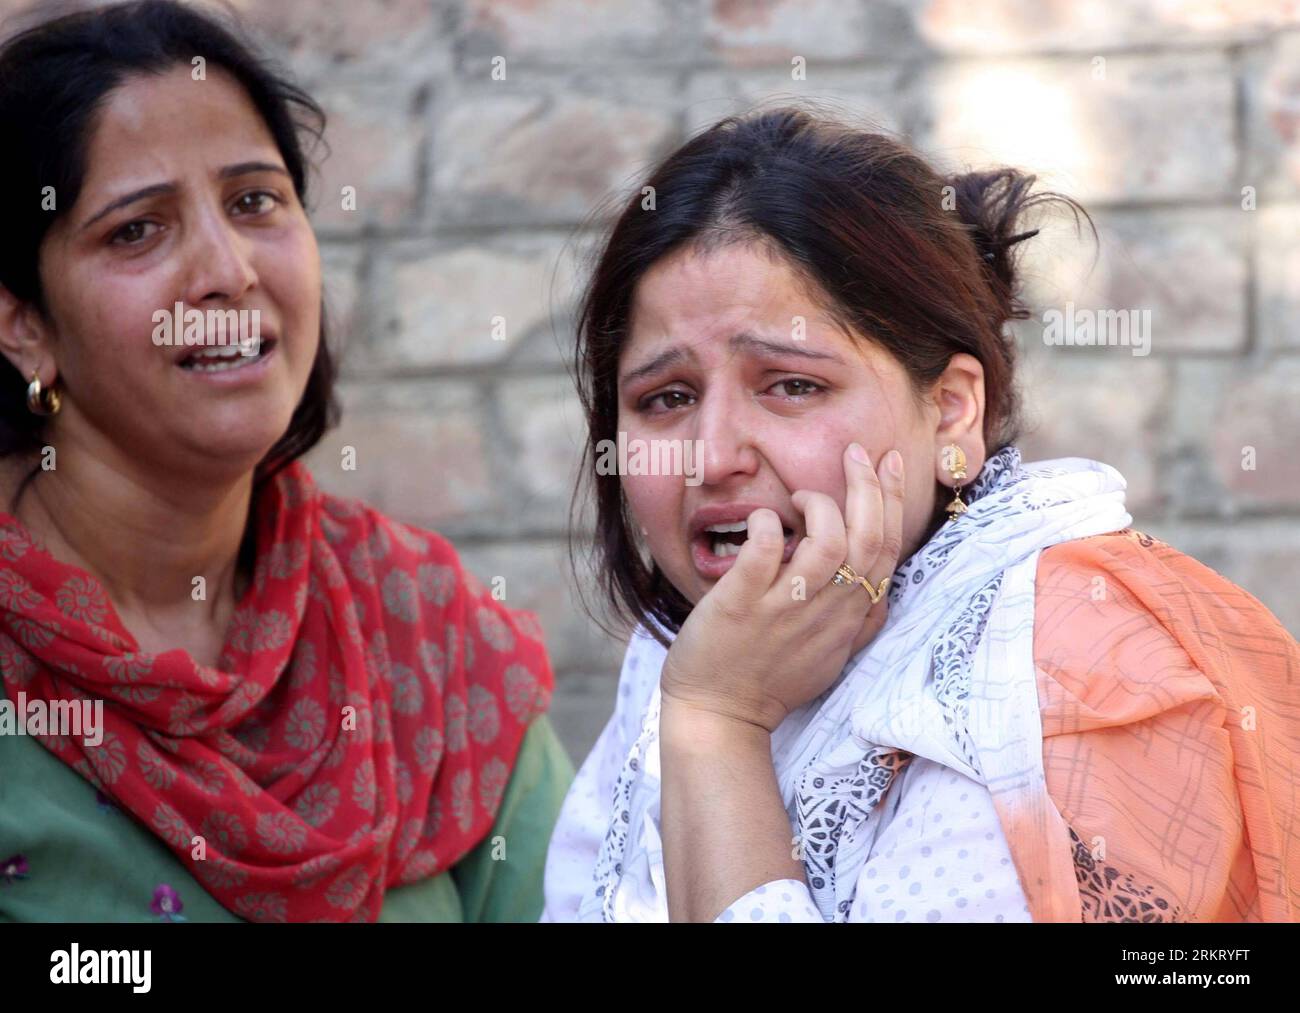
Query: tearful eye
[[797, 388], [130, 233], [262, 201], [666, 399]]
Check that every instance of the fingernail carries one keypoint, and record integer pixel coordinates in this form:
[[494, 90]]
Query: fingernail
[[894, 463], [858, 453]]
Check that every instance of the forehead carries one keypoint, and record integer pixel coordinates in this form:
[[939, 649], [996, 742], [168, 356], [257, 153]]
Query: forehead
[[737, 282], [153, 124], [703, 299]]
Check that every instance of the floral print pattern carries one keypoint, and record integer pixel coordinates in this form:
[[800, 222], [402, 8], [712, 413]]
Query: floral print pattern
[[367, 683]]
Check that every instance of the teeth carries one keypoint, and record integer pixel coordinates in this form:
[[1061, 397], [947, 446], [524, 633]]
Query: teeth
[[216, 367], [722, 547], [219, 357]]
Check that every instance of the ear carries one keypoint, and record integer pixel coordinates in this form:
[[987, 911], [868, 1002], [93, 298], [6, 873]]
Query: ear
[[25, 339], [959, 396]]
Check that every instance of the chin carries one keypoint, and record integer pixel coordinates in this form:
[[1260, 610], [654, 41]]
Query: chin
[[233, 453]]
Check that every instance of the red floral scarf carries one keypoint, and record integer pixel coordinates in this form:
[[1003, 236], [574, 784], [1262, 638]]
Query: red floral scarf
[[359, 730]]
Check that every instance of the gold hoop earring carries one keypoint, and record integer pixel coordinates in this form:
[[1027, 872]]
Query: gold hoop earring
[[42, 402], [954, 461]]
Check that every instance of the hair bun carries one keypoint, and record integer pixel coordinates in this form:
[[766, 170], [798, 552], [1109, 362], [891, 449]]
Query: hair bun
[[993, 205]]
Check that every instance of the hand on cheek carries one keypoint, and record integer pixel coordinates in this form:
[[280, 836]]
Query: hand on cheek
[[770, 637]]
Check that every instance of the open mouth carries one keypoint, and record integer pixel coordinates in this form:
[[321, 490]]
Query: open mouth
[[225, 358], [722, 541]]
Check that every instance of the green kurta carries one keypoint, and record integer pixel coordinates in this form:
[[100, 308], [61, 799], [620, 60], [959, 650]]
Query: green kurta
[[91, 862]]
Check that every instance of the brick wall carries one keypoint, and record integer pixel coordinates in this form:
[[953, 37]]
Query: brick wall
[[474, 201]]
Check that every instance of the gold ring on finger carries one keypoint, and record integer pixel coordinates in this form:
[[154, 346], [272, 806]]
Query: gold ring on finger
[[846, 575]]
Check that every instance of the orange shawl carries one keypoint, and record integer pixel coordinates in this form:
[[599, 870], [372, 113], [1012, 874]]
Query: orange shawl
[[1170, 703]]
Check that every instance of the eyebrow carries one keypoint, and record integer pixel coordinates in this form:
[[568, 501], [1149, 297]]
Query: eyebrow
[[154, 189], [742, 341]]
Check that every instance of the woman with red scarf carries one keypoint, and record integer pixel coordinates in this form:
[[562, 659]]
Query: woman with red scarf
[[296, 708]]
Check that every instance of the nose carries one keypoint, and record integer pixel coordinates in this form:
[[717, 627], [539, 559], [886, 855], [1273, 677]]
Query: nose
[[723, 424], [219, 261]]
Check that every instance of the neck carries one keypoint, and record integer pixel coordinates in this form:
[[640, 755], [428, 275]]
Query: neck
[[144, 536]]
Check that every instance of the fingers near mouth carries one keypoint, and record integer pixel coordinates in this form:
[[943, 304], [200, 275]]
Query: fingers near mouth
[[714, 548]]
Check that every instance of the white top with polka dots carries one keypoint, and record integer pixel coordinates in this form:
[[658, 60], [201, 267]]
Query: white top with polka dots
[[939, 852], [939, 856]]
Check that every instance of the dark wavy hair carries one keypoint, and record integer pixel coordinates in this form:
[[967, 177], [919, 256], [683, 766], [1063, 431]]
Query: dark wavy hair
[[860, 215], [55, 75]]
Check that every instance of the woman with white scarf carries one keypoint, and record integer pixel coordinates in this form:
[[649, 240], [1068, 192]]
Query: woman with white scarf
[[884, 670]]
